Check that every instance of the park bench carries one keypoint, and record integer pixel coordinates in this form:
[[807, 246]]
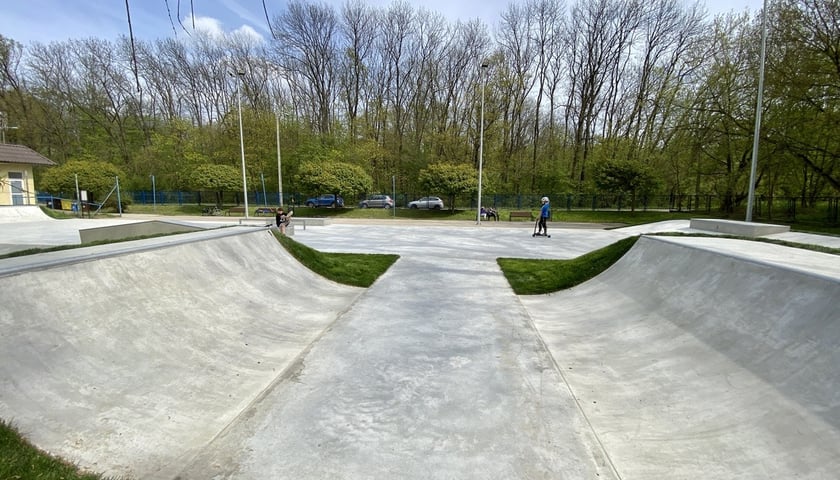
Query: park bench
[[236, 210], [520, 215]]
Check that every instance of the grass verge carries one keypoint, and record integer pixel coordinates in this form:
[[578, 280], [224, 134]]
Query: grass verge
[[356, 269], [535, 277], [19, 459]]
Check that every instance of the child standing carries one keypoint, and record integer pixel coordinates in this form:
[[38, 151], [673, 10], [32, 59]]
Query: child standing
[[545, 213]]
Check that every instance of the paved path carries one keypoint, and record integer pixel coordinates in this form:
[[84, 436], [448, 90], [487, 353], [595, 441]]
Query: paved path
[[436, 372]]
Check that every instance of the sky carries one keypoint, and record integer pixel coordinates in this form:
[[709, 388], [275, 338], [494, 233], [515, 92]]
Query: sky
[[47, 21]]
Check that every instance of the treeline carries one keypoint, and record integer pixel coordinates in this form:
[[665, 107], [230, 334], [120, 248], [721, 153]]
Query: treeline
[[633, 96]]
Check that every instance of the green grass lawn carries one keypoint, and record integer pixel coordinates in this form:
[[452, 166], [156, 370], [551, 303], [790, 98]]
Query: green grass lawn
[[20, 460], [359, 270], [535, 276]]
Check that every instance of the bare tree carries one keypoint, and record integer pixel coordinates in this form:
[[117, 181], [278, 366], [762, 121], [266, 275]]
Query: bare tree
[[669, 32], [358, 28], [518, 51], [427, 60], [396, 41], [305, 41], [549, 31], [457, 96], [600, 36]]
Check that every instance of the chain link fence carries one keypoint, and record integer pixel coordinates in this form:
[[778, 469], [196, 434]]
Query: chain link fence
[[818, 211]]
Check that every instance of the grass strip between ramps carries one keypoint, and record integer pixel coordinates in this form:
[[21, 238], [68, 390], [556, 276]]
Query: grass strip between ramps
[[536, 277], [20, 459], [356, 269]]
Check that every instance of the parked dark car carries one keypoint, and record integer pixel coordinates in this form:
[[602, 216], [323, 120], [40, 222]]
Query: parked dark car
[[377, 201], [326, 200]]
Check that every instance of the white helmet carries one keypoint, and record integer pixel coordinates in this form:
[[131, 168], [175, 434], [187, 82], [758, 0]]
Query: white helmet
[[544, 199]]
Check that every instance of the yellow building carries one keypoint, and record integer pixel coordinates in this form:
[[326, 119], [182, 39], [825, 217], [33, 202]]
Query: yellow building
[[17, 184]]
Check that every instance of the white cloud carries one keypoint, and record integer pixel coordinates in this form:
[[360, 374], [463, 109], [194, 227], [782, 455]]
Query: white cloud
[[252, 18], [214, 28], [248, 31], [210, 26]]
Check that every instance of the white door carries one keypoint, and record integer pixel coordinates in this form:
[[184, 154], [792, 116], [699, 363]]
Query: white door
[[18, 190]]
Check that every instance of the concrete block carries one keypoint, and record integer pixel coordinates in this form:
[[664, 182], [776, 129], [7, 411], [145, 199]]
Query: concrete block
[[131, 230], [734, 227]]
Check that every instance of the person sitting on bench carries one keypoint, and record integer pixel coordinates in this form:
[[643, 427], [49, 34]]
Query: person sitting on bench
[[487, 213]]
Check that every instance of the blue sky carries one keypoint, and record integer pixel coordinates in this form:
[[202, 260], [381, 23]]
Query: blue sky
[[57, 20]]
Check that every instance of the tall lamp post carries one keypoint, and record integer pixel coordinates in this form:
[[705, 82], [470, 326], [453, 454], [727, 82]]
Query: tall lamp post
[[279, 164], [154, 194], [242, 141], [758, 106], [481, 146]]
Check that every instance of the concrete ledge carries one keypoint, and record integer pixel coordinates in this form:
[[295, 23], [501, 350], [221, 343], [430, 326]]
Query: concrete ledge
[[130, 230], [734, 227], [316, 222]]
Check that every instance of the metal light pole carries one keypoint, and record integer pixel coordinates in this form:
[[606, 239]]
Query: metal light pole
[[480, 146], [279, 164], [154, 194], [758, 105], [242, 141], [78, 197]]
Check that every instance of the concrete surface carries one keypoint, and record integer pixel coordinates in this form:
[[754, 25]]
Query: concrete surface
[[133, 230], [216, 355], [710, 362], [125, 363], [734, 227]]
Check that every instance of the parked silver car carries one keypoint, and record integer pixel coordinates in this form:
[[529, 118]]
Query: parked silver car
[[427, 202], [377, 201]]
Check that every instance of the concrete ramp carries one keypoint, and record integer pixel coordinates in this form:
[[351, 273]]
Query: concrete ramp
[[692, 363], [22, 213], [129, 363]]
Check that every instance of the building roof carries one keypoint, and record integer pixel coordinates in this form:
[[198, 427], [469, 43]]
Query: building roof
[[22, 155]]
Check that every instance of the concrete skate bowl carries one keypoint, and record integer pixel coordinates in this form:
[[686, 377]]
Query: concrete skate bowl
[[690, 363], [129, 363]]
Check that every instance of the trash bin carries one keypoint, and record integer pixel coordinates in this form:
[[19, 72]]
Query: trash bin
[[56, 204]]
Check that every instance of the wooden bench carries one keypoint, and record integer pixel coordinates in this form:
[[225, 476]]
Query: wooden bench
[[237, 210], [520, 215]]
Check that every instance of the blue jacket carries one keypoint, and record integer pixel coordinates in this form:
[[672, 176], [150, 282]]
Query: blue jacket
[[545, 212]]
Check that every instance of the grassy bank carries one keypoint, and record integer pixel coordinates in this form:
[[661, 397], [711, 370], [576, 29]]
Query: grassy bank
[[359, 270], [533, 277], [19, 459]]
